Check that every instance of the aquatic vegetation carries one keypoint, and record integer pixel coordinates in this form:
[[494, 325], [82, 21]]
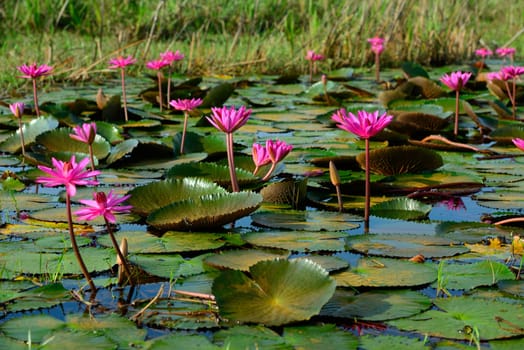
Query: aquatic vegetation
[[171, 57], [313, 57], [33, 72], [86, 133], [158, 65], [17, 109], [456, 81], [185, 105], [121, 63], [377, 46]]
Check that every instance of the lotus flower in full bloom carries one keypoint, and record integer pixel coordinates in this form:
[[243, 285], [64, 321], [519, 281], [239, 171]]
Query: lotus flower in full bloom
[[33, 72], [121, 63], [456, 81], [365, 125], [185, 105], [229, 120]]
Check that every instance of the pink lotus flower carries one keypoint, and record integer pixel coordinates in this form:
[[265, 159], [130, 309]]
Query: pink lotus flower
[[277, 150], [493, 76], [103, 205], [364, 125], [69, 174], [157, 64], [186, 104], [510, 72], [33, 71], [456, 80], [17, 109], [260, 157], [85, 133], [377, 44], [519, 143], [171, 56], [121, 62], [505, 51], [229, 120], [313, 56], [483, 52]]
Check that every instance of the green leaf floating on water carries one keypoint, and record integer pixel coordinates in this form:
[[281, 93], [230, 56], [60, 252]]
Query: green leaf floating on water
[[245, 337], [469, 276], [181, 341], [58, 140], [31, 130], [205, 212], [298, 241], [212, 172], [401, 208], [155, 195], [327, 336], [392, 342], [457, 317], [276, 292], [381, 272], [242, 259], [306, 220], [379, 305], [405, 245]]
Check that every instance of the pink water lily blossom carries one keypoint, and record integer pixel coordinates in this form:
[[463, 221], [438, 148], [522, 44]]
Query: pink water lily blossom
[[34, 71], [505, 51], [507, 74], [377, 44], [185, 105], [483, 52], [364, 124], [69, 174], [230, 119], [103, 205], [171, 56], [510, 72], [260, 156], [519, 143], [456, 80], [276, 151], [85, 133], [17, 109], [313, 56], [157, 64], [121, 62]]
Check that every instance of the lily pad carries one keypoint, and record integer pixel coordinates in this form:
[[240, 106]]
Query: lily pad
[[243, 259], [306, 220], [458, 317], [405, 245], [255, 337], [31, 130], [155, 195], [209, 211], [276, 292], [391, 342], [326, 336], [469, 276], [298, 241], [401, 208], [58, 140], [381, 272], [380, 305]]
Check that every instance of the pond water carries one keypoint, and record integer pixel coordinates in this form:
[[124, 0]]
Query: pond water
[[375, 296]]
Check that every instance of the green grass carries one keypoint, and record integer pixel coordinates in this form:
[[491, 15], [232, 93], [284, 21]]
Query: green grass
[[244, 37]]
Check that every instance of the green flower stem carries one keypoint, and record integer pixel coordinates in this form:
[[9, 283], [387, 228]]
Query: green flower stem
[[159, 75], [183, 132], [22, 142], [367, 190], [122, 75], [121, 256], [377, 67], [35, 98], [231, 162], [455, 129], [75, 246]]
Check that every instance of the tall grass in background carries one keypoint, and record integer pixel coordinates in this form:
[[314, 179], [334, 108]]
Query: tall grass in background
[[259, 36]]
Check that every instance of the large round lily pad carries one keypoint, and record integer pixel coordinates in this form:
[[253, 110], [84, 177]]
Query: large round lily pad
[[58, 140], [381, 272], [405, 245], [306, 220], [276, 292], [401, 208], [458, 317], [242, 259], [298, 241], [205, 212], [379, 305], [155, 195]]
